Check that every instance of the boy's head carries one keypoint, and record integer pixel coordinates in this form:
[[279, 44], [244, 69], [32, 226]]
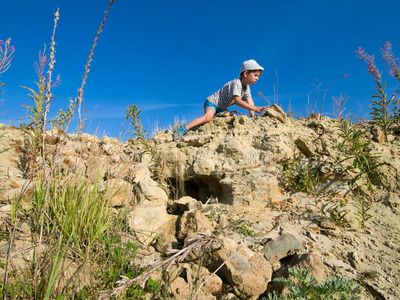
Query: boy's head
[[250, 66]]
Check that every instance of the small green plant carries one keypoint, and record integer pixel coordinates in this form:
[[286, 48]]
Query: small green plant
[[355, 148], [363, 164], [381, 107], [363, 206], [304, 179], [38, 113], [244, 228], [334, 212], [62, 117], [296, 178], [304, 286], [369, 275], [132, 117]]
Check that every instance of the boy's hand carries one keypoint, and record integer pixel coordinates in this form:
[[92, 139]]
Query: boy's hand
[[261, 109]]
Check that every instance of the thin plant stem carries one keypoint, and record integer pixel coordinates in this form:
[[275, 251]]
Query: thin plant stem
[[326, 90], [277, 87], [47, 107], [318, 85], [79, 99]]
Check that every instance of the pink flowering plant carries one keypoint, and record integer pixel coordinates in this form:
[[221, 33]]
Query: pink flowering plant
[[380, 104], [6, 56], [394, 71]]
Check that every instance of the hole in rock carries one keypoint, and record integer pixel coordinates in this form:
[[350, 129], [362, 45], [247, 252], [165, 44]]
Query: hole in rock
[[200, 188]]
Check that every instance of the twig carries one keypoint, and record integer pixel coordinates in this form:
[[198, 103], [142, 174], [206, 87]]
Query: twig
[[326, 90], [201, 242]]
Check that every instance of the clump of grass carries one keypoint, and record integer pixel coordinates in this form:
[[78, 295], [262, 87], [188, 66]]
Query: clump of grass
[[81, 198]]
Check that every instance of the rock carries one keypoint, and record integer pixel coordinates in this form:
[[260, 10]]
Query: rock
[[24, 228], [304, 147], [148, 189], [229, 296], [150, 219], [312, 262], [185, 204], [191, 222], [274, 111], [355, 260], [281, 247], [247, 272], [179, 288], [119, 191], [210, 283]]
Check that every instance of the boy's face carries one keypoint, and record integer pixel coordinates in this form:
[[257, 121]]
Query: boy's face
[[251, 77]]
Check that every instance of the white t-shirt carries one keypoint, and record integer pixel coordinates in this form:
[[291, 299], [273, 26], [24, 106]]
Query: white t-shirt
[[223, 98]]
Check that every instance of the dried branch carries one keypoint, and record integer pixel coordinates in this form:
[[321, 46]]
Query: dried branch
[[200, 242]]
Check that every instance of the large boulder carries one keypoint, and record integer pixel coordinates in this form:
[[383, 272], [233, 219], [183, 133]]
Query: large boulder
[[247, 272], [150, 221]]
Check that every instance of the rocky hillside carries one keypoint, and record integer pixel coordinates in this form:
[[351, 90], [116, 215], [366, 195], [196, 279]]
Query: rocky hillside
[[262, 195]]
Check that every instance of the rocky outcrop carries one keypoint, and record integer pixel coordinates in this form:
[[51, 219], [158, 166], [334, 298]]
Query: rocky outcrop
[[227, 179]]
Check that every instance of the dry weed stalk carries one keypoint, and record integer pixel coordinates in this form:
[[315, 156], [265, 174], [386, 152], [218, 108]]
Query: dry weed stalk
[[79, 98], [201, 242], [47, 107]]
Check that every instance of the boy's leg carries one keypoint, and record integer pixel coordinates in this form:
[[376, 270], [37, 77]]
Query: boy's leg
[[208, 115]]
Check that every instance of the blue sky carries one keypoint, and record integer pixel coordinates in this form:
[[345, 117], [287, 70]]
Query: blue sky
[[168, 56]]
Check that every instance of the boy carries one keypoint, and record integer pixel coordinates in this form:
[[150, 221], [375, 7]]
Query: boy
[[236, 92]]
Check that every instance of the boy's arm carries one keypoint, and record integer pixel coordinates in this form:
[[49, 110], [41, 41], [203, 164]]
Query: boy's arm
[[251, 107], [251, 102]]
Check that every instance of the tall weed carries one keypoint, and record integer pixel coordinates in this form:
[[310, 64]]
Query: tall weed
[[363, 164], [6, 56], [381, 105]]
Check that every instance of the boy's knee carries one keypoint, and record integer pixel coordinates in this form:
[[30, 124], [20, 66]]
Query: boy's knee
[[208, 118]]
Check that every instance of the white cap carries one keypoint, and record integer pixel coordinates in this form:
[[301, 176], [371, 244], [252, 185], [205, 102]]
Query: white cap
[[250, 65]]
